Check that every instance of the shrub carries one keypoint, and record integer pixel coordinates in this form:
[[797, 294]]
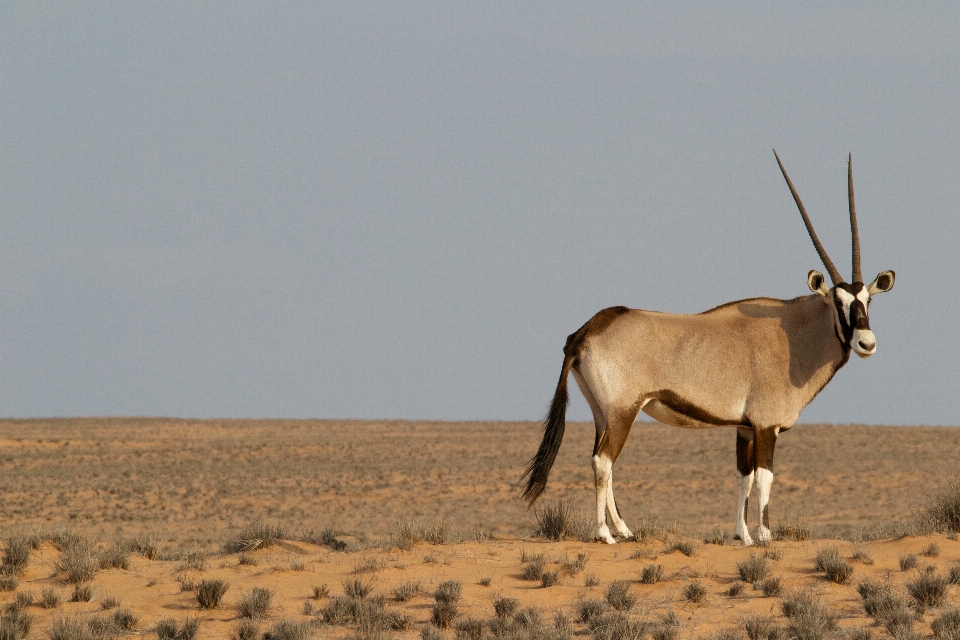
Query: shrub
[[109, 602], [619, 597], [616, 626], [735, 589], [534, 568], [246, 629], [727, 634], [469, 629], [406, 533], [367, 565], [573, 567], [125, 620], [954, 575], [256, 604], [169, 630], [947, 626], [443, 613], [485, 581], [932, 550], [289, 630], [69, 629], [549, 578], [82, 593], [77, 559], [23, 599], [49, 598], [16, 556], [908, 562], [753, 568], [9, 583], [757, 627], [928, 589], [209, 593], [831, 563], [771, 587], [15, 623], [667, 627], [357, 588], [257, 535], [809, 618], [505, 607], [406, 590], [587, 610], [716, 536], [862, 556], [695, 592], [591, 580], [196, 560], [560, 522], [683, 546], [116, 558], [449, 591], [149, 546], [651, 574], [942, 513], [772, 554], [321, 591], [430, 633], [793, 529]]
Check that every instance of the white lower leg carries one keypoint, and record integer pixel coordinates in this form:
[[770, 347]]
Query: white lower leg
[[745, 485], [764, 482], [602, 468], [619, 526]]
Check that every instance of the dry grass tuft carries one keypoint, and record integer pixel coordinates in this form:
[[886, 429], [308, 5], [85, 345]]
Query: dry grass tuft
[[561, 522], [793, 529], [753, 569], [651, 574], [908, 562], [209, 593], [942, 513], [257, 535], [256, 604], [830, 562], [929, 589], [809, 618], [695, 592], [619, 597], [947, 625], [77, 558]]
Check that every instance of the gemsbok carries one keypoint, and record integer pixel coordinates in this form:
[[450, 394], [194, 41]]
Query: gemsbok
[[751, 364]]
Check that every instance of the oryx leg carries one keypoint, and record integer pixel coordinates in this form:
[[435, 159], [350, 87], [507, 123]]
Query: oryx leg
[[765, 441], [607, 447], [746, 460]]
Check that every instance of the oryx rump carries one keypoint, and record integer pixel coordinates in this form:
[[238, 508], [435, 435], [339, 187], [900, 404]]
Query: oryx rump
[[751, 364]]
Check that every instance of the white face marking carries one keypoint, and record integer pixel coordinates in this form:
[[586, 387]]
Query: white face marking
[[846, 299]]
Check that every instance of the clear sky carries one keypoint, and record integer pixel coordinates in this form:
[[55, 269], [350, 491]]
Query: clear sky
[[401, 210]]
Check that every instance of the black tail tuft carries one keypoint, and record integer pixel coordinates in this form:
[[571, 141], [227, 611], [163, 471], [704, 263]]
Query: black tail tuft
[[538, 469]]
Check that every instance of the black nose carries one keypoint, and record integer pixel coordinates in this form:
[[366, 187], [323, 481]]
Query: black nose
[[865, 346]]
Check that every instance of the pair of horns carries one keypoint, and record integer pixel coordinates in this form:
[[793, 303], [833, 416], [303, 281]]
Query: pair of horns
[[832, 270]]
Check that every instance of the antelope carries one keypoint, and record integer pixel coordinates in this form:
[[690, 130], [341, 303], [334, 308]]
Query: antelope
[[751, 364]]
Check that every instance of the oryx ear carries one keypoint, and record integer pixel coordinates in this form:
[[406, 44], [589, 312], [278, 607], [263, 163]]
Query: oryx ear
[[816, 283], [883, 282]]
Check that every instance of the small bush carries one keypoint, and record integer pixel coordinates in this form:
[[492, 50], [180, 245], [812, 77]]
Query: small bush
[[406, 590], [125, 620], [246, 629], [587, 610], [908, 562], [560, 522], [101, 627], [651, 574], [367, 565], [430, 633], [735, 589], [862, 556], [727, 634], [187, 584], [82, 593], [109, 602], [195, 560], [793, 529], [469, 629], [549, 578], [533, 570], [753, 569], [23, 599], [50, 599], [9, 583], [69, 629], [619, 597], [76, 559], [357, 588], [289, 630], [770, 587], [685, 547], [15, 623], [321, 591], [931, 551], [406, 533], [16, 556], [591, 580], [256, 604], [757, 627], [616, 626], [444, 613], [942, 513], [116, 558], [667, 627], [716, 536], [770, 553], [149, 546], [505, 607], [954, 576], [947, 625], [449, 591], [168, 629], [485, 581], [209, 593], [695, 592], [809, 618], [928, 589], [830, 562], [573, 567], [258, 535]]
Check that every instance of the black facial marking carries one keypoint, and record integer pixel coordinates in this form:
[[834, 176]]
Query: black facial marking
[[858, 318]]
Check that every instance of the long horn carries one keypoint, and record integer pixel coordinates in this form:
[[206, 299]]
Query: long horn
[[857, 276], [832, 270]]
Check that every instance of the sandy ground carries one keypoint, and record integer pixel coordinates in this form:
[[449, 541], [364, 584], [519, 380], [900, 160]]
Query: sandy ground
[[192, 483]]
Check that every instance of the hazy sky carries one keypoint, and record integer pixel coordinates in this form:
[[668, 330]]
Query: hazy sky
[[401, 210]]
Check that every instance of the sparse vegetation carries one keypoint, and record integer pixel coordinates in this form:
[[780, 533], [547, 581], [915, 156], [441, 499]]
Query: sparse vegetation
[[753, 569], [407, 533], [947, 625], [716, 536], [931, 551], [587, 610], [50, 598], [908, 562], [358, 588], [257, 535], [445, 608], [830, 562], [591, 580], [209, 593], [246, 629], [770, 587], [117, 557], [289, 630], [77, 559], [560, 522], [406, 590], [15, 623], [256, 604], [16, 556], [695, 591], [505, 607], [619, 597], [575, 566], [928, 589], [533, 570], [651, 574], [549, 578], [862, 556], [735, 589], [809, 618], [82, 593], [125, 620], [685, 547], [793, 529], [942, 513], [758, 627], [320, 591]]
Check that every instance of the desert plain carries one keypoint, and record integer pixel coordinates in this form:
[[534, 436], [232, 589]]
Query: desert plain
[[344, 496]]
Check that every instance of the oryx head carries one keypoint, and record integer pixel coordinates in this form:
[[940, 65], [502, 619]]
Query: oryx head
[[850, 301]]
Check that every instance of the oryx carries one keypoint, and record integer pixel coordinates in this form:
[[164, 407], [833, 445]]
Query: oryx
[[751, 364]]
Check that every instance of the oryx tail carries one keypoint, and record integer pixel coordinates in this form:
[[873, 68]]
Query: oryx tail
[[539, 467]]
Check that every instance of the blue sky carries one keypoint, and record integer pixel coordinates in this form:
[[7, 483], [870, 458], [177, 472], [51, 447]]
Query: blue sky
[[401, 210]]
